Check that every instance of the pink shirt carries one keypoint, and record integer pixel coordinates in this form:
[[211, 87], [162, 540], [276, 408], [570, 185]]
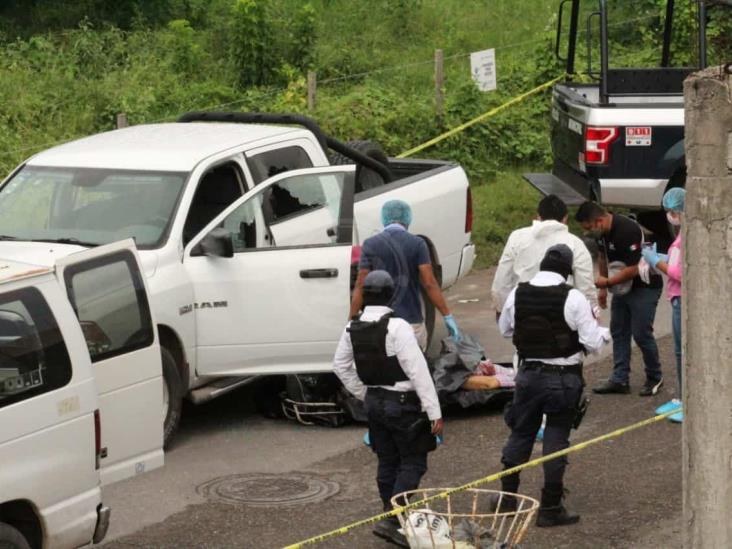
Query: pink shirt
[[675, 268]]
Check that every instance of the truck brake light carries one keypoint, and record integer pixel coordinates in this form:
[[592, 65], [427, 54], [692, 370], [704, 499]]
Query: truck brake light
[[97, 440], [597, 144], [469, 213]]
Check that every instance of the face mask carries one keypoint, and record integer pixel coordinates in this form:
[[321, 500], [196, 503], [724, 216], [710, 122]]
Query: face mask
[[673, 218], [594, 233]]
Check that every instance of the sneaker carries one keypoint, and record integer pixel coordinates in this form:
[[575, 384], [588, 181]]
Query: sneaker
[[678, 417], [650, 387], [610, 386], [671, 405]]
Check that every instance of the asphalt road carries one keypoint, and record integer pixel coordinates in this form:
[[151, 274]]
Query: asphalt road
[[628, 490]]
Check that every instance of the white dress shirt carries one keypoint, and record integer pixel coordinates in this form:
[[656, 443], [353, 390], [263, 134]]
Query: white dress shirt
[[524, 251], [577, 314], [400, 341]]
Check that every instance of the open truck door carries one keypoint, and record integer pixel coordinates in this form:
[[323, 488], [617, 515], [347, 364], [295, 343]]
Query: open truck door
[[271, 275], [108, 294]]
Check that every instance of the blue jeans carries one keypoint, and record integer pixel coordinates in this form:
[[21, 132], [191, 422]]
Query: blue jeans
[[632, 315], [676, 325]]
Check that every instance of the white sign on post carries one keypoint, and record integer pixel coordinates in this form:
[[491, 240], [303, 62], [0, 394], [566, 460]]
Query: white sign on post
[[483, 69]]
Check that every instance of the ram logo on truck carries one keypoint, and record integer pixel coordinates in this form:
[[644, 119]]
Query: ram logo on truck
[[202, 305]]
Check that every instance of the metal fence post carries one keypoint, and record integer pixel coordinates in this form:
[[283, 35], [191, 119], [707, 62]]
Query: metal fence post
[[312, 88], [439, 85]]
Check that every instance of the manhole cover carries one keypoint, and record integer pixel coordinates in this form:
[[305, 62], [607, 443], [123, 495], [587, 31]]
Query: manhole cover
[[268, 490]]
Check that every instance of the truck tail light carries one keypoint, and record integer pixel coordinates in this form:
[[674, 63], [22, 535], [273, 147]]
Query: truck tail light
[[469, 213], [597, 144], [97, 440]]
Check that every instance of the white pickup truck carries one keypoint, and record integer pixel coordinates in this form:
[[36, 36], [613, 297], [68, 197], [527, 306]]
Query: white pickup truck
[[80, 385], [245, 230]]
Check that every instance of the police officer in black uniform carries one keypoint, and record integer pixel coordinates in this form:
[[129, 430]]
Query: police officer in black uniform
[[552, 326], [379, 361]]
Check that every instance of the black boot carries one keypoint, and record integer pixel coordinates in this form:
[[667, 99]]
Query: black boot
[[388, 529], [509, 484], [552, 512]]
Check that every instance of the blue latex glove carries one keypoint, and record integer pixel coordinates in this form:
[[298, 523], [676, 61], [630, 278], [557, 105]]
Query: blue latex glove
[[651, 256], [452, 327]]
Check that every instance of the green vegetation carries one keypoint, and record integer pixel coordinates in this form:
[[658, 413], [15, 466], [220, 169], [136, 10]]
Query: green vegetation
[[67, 68]]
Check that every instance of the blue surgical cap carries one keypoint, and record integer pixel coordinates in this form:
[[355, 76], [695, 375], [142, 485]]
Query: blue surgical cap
[[396, 211], [674, 199]]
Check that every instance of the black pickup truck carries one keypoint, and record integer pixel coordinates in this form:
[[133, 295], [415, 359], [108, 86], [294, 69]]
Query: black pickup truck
[[619, 140]]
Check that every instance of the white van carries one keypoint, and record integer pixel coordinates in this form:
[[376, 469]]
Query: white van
[[80, 387]]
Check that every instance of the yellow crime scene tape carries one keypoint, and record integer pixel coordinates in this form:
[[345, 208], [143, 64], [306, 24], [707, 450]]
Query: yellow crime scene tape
[[496, 476], [533, 463], [480, 118]]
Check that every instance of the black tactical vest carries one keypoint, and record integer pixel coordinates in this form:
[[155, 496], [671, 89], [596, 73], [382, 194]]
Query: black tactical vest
[[373, 365], [540, 329]]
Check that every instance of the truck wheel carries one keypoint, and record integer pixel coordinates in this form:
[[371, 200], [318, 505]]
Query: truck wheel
[[366, 178], [10, 538], [172, 396]]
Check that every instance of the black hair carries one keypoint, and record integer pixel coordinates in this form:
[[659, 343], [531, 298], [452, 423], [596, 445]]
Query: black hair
[[554, 262], [552, 207], [382, 298], [589, 211]]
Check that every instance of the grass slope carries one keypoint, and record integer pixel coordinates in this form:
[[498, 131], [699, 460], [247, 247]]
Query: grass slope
[[500, 206]]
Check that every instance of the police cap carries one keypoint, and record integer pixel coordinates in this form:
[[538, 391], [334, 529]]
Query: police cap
[[378, 282]]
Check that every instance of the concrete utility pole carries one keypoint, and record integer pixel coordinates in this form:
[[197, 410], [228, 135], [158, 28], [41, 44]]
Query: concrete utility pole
[[707, 311]]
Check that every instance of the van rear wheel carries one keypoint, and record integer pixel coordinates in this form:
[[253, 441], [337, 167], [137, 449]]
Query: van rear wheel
[[172, 396], [11, 538]]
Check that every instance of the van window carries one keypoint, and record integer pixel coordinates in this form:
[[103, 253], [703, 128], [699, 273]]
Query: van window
[[33, 356], [109, 298], [267, 164]]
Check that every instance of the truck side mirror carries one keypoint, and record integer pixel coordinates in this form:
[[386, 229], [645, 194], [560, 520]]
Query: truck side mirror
[[217, 243]]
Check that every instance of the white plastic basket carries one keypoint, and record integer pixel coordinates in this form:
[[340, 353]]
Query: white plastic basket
[[464, 520]]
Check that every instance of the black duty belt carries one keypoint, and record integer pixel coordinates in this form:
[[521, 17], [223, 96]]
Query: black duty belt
[[551, 368], [403, 397]]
